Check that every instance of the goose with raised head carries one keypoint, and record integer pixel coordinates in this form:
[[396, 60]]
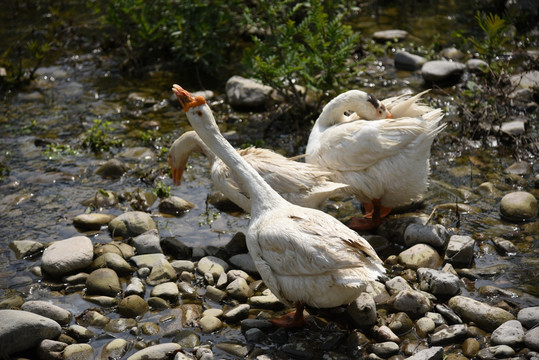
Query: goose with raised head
[[382, 150], [303, 255], [298, 182]]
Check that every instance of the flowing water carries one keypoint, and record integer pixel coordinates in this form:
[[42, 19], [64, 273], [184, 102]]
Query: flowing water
[[40, 196]]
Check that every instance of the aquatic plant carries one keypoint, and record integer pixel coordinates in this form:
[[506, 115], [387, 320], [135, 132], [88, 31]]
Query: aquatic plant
[[56, 151], [299, 49], [495, 35], [161, 190], [97, 138]]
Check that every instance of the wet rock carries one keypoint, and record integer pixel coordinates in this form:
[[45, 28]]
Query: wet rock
[[390, 35], [148, 242], [433, 353], [210, 324], [449, 335], [495, 352], [147, 260], [21, 330], [183, 265], [239, 290], [477, 65], [78, 351], [504, 246], [385, 349], [101, 300], [51, 311], [529, 317], [384, 333], [529, 79], [510, 333], [136, 287], [237, 313], [515, 127], [459, 250], [124, 250], [518, 206], [488, 189], [114, 349], [441, 70], [176, 248], [406, 61], [255, 336], [448, 314], [420, 255], [93, 221], [266, 301], [92, 318], [470, 347], [66, 256], [244, 262], [262, 324], [175, 205], [438, 282], [434, 235], [132, 306], [188, 339], [214, 293], [113, 261], [50, 350], [161, 272], [155, 352], [187, 290], [531, 339], [247, 93], [24, 248], [396, 285], [452, 53], [131, 224], [80, 333], [212, 265], [363, 310], [437, 318], [157, 303], [139, 153], [168, 291], [103, 282], [413, 303], [519, 168], [424, 326], [102, 198], [120, 325], [484, 315], [300, 350], [112, 169], [400, 323]]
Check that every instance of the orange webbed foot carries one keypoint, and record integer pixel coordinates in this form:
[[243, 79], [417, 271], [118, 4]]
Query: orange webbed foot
[[291, 320]]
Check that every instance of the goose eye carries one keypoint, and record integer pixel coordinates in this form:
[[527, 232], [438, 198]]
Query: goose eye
[[199, 113]]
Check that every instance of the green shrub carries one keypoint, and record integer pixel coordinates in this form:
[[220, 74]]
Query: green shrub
[[302, 46]]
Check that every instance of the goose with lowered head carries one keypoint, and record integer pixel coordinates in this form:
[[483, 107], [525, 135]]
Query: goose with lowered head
[[298, 182], [303, 255], [382, 150]]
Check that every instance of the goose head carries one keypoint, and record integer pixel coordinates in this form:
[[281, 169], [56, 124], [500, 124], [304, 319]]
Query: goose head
[[180, 151]]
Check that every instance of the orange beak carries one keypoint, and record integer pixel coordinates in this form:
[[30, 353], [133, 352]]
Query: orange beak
[[389, 116], [177, 172], [187, 100]]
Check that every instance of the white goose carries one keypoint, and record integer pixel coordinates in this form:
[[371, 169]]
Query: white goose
[[384, 158], [304, 255], [298, 182]]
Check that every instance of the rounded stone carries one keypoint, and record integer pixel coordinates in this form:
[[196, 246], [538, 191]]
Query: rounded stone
[[112, 169], [132, 306], [78, 351], [531, 339], [239, 289], [67, 256], [114, 349], [412, 302], [470, 347], [529, 317], [210, 324], [103, 282], [130, 224], [440, 70], [160, 351], [92, 221], [168, 291], [175, 206], [400, 324], [482, 314], [212, 265], [363, 310], [51, 311], [420, 255], [518, 206], [114, 262]]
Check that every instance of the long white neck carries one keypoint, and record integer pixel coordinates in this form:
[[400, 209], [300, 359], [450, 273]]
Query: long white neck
[[261, 194]]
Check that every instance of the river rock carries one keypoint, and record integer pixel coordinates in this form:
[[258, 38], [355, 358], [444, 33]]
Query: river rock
[[449, 335], [50, 350], [400, 323], [434, 235], [247, 93], [103, 282], [114, 349], [168, 291], [156, 352], [175, 205], [495, 352], [396, 285], [452, 53], [173, 246], [509, 333], [529, 317], [51, 311], [433, 353], [420, 255], [132, 306], [406, 61], [161, 272], [363, 310], [531, 339], [24, 248], [93, 221], [148, 242], [518, 206], [470, 347], [237, 313], [67, 256], [529, 79], [183, 265], [412, 302], [484, 315], [514, 128], [92, 318], [112, 169], [459, 250], [505, 247], [21, 330], [148, 260], [385, 349], [136, 287], [477, 65], [239, 289], [212, 265], [266, 301], [390, 35], [441, 70], [131, 223], [80, 333], [438, 282], [210, 324], [102, 198], [424, 326], [77, 352], [113, 261]]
